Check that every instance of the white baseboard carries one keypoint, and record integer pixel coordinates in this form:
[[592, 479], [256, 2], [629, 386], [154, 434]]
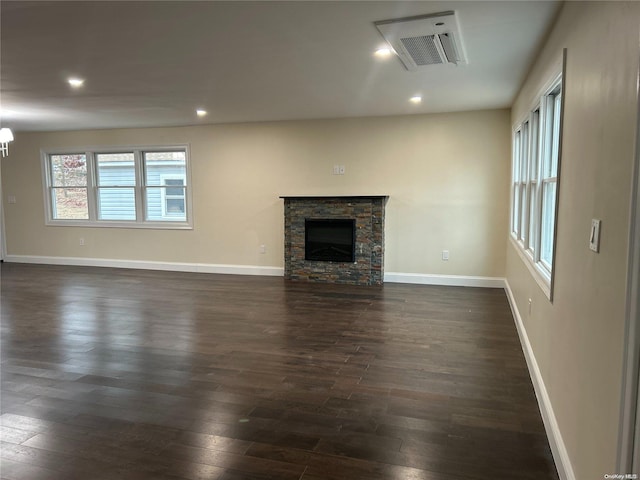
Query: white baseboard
[[391, 277], [450, 280], [558, 448], [144, 265]]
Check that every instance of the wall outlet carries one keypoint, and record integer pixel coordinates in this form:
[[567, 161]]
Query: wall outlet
[[594, 237], [445, 255], [81, 241], [341, 169], [263, 249], [11, 199]]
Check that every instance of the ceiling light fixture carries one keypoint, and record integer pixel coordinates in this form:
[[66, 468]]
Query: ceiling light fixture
[[6, 136], [76, 82], [200, 112], [383, 52], [416, 99]]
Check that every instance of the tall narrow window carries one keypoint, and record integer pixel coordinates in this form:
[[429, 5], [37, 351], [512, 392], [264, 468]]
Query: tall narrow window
[[536, 156], [173, 199], [515, 193], [68, 187], [165, 184], [524, 170], [116, 186], [532, 181], [549, 176]]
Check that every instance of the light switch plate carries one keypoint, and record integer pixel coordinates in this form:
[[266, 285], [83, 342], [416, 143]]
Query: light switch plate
[[594, 238]]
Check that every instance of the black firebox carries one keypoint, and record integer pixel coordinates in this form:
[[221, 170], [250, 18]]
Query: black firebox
[[329, 240]]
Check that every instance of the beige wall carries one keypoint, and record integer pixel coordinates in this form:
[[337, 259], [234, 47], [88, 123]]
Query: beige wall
[[447, 176], [578, 340]]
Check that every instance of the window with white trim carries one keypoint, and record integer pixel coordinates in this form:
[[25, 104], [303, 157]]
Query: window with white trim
[[118, 187], [536, 152], [532, 183], [115, 186], [173, 201], [68, 187]]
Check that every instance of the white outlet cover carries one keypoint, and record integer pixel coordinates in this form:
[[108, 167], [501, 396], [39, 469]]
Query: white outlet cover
[[594, 237]]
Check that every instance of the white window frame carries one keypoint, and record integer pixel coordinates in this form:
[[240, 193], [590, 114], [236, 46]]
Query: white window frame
[[96, 175], [163, 194], [531, 172], [515, 183], [533, 185], [50, 188], [523, 203], [92, 188]]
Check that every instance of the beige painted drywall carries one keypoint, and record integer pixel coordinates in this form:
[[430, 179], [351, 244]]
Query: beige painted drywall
[[447, 176], [578, 340]]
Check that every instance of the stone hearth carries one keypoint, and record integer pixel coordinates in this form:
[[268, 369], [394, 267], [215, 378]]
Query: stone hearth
[[368, 212]]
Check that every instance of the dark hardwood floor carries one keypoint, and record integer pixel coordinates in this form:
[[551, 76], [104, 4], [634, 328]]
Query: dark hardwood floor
[[120, 374]]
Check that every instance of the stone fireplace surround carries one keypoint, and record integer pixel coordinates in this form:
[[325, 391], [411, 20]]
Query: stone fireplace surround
[[368, 212]]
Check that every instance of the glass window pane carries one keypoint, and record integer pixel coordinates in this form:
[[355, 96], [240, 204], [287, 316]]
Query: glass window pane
[[68, 170], [163, 209], [159, 164], [116, 169], [532, 217], [516, 209], [535, 140], [173, 181], [116, 204], [174, 190], [556, 135], [70, 204], [524, 156], [175, 205], [516, 157], [523, 209], [548, 221]]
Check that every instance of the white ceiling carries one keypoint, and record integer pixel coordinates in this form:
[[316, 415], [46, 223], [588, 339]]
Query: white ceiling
[[153, 63]]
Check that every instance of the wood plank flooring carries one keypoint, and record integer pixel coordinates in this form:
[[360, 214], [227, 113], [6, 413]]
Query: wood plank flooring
[[130, 375]]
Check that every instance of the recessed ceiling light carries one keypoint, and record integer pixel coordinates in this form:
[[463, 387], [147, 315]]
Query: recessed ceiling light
[[200, 112], [416, 99], [383, 52], [76, 82]]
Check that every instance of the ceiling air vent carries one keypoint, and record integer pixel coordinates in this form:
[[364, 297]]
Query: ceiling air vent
[[425, 39]]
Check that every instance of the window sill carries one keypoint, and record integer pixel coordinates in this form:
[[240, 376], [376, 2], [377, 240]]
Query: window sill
[[121, 224], [539, 275]]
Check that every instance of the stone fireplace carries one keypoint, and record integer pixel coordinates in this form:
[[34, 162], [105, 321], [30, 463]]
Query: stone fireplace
[[367, 214]]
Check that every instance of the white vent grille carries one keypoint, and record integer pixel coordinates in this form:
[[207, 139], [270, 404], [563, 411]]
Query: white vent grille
[[425, 40], [423, 50]]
